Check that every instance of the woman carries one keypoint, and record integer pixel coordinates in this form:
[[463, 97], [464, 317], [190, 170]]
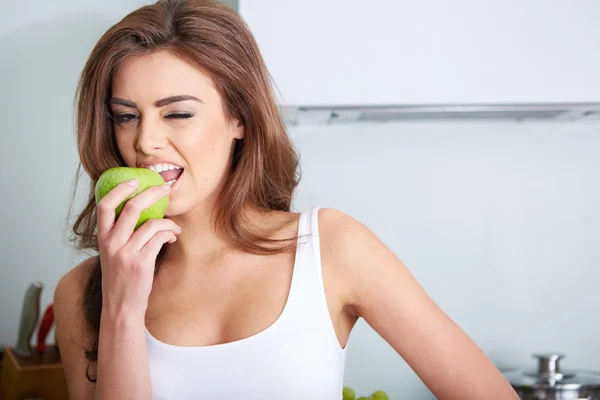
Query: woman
[[231, 295]]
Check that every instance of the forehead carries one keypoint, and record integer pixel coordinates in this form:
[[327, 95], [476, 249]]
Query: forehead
[[157, 75]]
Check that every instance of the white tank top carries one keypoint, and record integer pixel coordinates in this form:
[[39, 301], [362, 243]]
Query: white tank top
[[298, 357]]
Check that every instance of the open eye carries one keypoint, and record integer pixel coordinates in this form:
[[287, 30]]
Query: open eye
[[125, 118]]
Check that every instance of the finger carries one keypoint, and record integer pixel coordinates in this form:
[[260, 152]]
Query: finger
[[151, 249], [130, 215], [107, 206], [148, 230]]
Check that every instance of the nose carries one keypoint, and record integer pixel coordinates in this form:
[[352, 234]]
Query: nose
[[149, 138]]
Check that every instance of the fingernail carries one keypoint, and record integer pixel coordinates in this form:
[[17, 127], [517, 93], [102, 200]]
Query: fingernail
[[132, 182], [178, 227], [166, 188]]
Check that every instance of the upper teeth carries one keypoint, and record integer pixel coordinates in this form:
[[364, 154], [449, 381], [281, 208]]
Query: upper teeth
[[163, 167]]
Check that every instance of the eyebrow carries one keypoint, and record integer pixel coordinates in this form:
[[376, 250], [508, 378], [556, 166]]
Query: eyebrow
[[159, 103]]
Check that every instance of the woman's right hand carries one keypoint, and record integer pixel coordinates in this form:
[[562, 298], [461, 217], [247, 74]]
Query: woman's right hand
[[128, 256]]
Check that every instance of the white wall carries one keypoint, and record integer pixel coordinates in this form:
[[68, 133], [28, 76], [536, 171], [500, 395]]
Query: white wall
[[498, 221], [508, 212]]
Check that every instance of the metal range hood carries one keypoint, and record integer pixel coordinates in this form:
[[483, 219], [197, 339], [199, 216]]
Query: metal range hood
[[319, 115]]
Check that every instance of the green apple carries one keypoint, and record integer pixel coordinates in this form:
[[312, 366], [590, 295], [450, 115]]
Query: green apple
[[380, 395], [146, 178], [348, 394]]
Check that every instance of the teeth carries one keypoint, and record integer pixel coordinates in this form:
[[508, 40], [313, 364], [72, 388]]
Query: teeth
[[171, 182], [163, 167]]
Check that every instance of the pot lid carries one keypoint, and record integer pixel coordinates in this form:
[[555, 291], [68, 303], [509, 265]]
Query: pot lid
[[549, 376]]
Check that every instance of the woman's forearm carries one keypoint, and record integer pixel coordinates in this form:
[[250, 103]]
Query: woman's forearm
[[123, 371]]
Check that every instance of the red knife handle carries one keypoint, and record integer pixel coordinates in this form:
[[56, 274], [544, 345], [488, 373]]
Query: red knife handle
[[45, 325]]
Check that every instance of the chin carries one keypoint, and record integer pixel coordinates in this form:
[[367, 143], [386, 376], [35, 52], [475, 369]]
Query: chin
[[174, 210], [179, 206], [183, 201]]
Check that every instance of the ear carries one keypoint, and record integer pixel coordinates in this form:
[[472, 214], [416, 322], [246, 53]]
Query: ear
[[237, 129]]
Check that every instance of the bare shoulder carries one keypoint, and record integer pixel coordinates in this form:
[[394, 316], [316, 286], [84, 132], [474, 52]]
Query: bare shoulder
[[350, 249], [68, 301], [339, 234], [71, 332], [336, 227], [80, 271], [71, 285]]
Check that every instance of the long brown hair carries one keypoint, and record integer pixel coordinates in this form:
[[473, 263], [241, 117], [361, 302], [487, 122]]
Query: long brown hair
[[264, 170]]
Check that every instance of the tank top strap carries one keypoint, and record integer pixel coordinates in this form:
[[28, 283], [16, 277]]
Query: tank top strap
[[307, 294], [311, 255], [307, 266]]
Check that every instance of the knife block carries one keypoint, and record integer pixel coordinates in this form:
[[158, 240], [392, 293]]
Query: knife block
[[39, 375]]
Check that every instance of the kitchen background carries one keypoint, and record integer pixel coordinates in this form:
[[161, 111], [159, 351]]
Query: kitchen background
[[498, 220]]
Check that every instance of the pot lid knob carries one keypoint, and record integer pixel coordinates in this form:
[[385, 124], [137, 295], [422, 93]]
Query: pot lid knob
[[549, 367]]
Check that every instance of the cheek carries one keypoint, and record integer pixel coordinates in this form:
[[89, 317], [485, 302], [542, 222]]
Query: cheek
[[207, 142], [126, 147], [207, 153]]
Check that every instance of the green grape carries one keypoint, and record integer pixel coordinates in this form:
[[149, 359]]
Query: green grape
[[380, 395], [348, 394]]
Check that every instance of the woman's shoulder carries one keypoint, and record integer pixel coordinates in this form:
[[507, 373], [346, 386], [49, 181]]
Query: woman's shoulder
[[68, 299], [80, 271], [338, 231], [351, 259], [72, 284], [348, 247]]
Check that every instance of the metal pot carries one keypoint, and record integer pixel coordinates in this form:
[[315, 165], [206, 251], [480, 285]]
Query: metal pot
[[549, 382]]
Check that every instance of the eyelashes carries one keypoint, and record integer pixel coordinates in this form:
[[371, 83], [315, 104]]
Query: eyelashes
[[126, 118]]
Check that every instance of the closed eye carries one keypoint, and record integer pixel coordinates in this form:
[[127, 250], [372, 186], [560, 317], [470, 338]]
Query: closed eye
[[128, 117], [179, 116]]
